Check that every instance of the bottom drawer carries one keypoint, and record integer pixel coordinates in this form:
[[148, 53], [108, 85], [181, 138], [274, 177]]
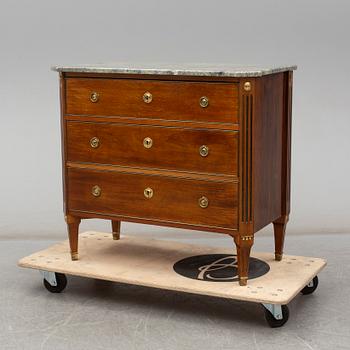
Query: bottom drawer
[[153, 197]]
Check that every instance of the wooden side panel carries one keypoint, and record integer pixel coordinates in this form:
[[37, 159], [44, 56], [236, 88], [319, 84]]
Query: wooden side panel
[[287, 140], [63, 139], [172, 199], [171, 148], [170, 100], [268, 149]]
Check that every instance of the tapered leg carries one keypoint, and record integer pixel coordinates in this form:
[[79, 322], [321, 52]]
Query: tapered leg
[[116, 229], [243, 245], [279, 227], [73, 231]]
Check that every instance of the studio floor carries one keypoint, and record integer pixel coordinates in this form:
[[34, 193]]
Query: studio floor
[[93, 314]]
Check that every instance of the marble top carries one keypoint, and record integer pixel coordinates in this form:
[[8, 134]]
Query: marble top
[[215, 70]]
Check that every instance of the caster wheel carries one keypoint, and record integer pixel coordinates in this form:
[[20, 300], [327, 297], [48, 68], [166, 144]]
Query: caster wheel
[[273, 322], [311, 287], [61, 280]]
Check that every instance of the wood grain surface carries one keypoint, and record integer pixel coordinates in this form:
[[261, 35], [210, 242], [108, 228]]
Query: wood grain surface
[[173, 199], [171, 100], [172, 148]]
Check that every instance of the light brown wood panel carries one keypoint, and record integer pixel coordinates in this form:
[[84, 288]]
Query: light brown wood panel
[[149, 262], [173, 199], [172, 148], [171, 100]]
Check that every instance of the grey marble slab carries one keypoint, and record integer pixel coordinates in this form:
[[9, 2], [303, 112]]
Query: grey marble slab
[[210, 70]]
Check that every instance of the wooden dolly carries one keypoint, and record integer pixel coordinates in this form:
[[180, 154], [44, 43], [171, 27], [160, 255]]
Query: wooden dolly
[[150, 263]]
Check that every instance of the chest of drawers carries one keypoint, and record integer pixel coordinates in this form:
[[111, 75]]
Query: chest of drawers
[[198, 148]]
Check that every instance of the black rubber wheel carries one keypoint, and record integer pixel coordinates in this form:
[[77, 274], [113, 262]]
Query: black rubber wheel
[[273, 322], [61, 283], [308, 290]]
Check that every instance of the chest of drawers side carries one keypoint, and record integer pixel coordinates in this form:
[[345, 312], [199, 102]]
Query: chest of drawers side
[[271, 148], [63, 139]]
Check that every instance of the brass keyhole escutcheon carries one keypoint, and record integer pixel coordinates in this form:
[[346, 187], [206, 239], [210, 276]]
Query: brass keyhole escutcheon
[[94, 142], [94, 97], [147, 142], [203, 150], [204, 101], [147, 97], [148, 192], [203, 202], [96, 191]]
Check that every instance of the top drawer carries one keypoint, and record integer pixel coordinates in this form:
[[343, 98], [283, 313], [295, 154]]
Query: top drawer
[[171, 100]]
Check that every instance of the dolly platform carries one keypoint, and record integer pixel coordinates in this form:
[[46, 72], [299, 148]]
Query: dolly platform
[[180, 267]]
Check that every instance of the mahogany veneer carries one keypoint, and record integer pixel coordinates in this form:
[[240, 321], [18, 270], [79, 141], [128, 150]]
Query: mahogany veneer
[[172, 148], [174, 199], [171, 99]]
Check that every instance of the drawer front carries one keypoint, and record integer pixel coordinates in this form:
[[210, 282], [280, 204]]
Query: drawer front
[[154, 147], [153, 197], [153, 99]]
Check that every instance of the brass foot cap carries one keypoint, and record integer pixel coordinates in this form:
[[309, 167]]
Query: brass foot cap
[[243, 281], [116, 236], [75, 256], [278, 257]]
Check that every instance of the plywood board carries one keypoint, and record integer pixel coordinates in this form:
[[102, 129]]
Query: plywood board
[[150, 262]]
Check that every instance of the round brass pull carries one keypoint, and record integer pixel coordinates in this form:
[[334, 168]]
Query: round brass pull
[[94, 97], [94, 142], [148, 192], [147, 97], [203, 202], [204, 101], [147, 142], [96, 191], [203, 150]]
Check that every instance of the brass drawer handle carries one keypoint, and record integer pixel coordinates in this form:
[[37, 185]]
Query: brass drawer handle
[[147, 97], [203, 150], [148, 192], [94, 97], [203, 202], [204, 101], [147, 142], [94, 142], [96, 191]]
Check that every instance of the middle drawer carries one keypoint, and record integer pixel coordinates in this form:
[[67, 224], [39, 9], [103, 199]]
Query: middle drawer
[[194, 150]]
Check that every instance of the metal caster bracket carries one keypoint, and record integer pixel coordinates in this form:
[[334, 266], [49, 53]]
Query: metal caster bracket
[[276, 310], [49, 277], [310, 284]]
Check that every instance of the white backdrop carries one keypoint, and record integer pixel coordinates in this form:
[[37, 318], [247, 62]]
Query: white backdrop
[[36, 34]]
